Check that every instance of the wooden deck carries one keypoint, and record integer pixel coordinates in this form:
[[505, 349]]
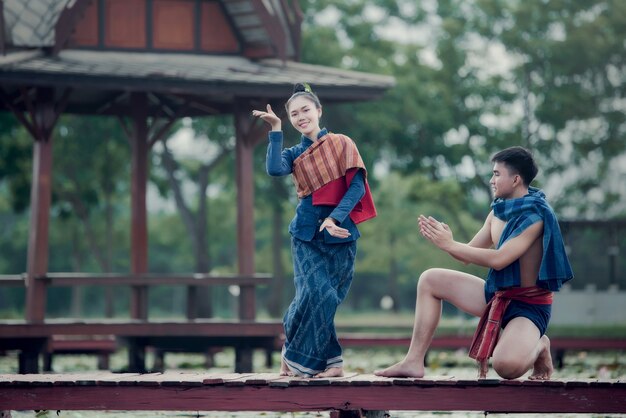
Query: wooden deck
[[271, 392]]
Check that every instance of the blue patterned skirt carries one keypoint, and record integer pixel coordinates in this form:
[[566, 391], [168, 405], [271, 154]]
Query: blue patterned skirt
[[322, 277]]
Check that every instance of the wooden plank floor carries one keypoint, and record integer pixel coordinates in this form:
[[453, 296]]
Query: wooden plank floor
[[270, 392]]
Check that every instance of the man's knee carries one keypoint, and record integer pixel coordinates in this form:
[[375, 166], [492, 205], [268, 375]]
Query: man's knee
[[509, 367], [428, 279]]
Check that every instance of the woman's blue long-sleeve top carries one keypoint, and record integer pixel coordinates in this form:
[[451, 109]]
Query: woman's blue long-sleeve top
[[308, 218]]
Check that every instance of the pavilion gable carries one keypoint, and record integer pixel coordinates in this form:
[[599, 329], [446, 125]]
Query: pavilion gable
[[251, 28], [31, 23]]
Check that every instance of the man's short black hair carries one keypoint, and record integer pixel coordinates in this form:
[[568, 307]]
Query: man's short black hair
[[520, 161]]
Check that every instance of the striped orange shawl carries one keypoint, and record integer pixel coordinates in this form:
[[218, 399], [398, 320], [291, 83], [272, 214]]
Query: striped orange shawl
[[327, 159]]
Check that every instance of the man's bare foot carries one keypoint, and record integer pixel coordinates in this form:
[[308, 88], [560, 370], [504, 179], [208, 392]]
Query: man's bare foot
[[402, 369], [284, 369], [542, 369], [331, 372]]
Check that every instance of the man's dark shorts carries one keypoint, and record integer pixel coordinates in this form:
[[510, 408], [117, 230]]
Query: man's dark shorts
[[537, 314]]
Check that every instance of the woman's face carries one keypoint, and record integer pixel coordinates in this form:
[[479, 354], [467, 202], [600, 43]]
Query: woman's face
[[305, 117]]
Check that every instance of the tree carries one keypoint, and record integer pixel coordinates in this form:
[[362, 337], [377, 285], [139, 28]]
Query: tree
[[15, 161], [487, 74], [90, 178], [569, 80], [216, 136]]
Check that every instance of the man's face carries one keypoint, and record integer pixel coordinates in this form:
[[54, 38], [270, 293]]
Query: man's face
[[503, 181]]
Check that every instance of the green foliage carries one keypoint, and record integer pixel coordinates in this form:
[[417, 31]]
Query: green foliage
[[90, 188], [15, 162], [571, 78], [556, 86], [472, 77]]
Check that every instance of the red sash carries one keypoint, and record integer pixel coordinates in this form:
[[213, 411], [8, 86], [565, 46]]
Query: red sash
[[332, 193], [486, 335], [327, 168]]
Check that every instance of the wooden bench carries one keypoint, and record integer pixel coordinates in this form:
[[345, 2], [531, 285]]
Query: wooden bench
[[347, 396], [102, 346], [244, 334]]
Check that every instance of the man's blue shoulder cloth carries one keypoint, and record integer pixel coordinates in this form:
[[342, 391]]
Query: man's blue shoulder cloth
[[519, 214]]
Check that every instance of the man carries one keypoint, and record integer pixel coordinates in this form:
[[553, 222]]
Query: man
[[522, 245]]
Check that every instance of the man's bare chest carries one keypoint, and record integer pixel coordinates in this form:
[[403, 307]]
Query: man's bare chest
[[497, 226]]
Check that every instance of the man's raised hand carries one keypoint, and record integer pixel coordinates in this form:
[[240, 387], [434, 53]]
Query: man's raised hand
[[436, 232]]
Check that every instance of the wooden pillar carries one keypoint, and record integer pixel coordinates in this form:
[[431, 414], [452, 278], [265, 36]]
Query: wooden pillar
[[43, 117], [139, 183], [139, 221], [37, 264], [244, 150]]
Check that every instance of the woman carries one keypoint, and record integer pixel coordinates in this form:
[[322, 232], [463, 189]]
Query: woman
[[334, 196]]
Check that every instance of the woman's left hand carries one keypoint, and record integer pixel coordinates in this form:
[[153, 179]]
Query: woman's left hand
[[333, 229]]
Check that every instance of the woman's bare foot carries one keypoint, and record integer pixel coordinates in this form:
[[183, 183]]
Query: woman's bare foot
[[402, 369], [542, 369], [284, 369], [331, 372]]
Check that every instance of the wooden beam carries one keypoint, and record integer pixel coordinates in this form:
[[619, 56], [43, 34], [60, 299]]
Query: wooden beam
[[66, 24], [31, 110], [124, 124], [9, 103], [43, 117], [163, 104], [110, 103], [154, 137], [116, 279], [273, 26], [207, 328], [44, 113], [271, 392], [295, 16], [201, 104]]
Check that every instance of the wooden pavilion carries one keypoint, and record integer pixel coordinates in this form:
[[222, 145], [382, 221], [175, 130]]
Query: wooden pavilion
[[152, 62]]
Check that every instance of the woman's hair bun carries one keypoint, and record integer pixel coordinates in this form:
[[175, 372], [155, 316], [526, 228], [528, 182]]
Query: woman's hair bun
[[302, 88]]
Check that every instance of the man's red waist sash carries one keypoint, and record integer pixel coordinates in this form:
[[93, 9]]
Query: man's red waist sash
[[486, 334]]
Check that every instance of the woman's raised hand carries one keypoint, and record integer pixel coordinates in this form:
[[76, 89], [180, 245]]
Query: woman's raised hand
[[270, 117]]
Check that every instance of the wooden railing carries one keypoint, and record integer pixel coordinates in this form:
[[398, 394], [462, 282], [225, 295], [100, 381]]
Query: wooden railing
[[244, 333]]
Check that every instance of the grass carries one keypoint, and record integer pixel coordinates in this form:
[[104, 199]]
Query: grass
[[390, 322]]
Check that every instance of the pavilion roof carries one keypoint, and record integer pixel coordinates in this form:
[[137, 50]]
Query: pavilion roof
[[34, 54], [104, 76]]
